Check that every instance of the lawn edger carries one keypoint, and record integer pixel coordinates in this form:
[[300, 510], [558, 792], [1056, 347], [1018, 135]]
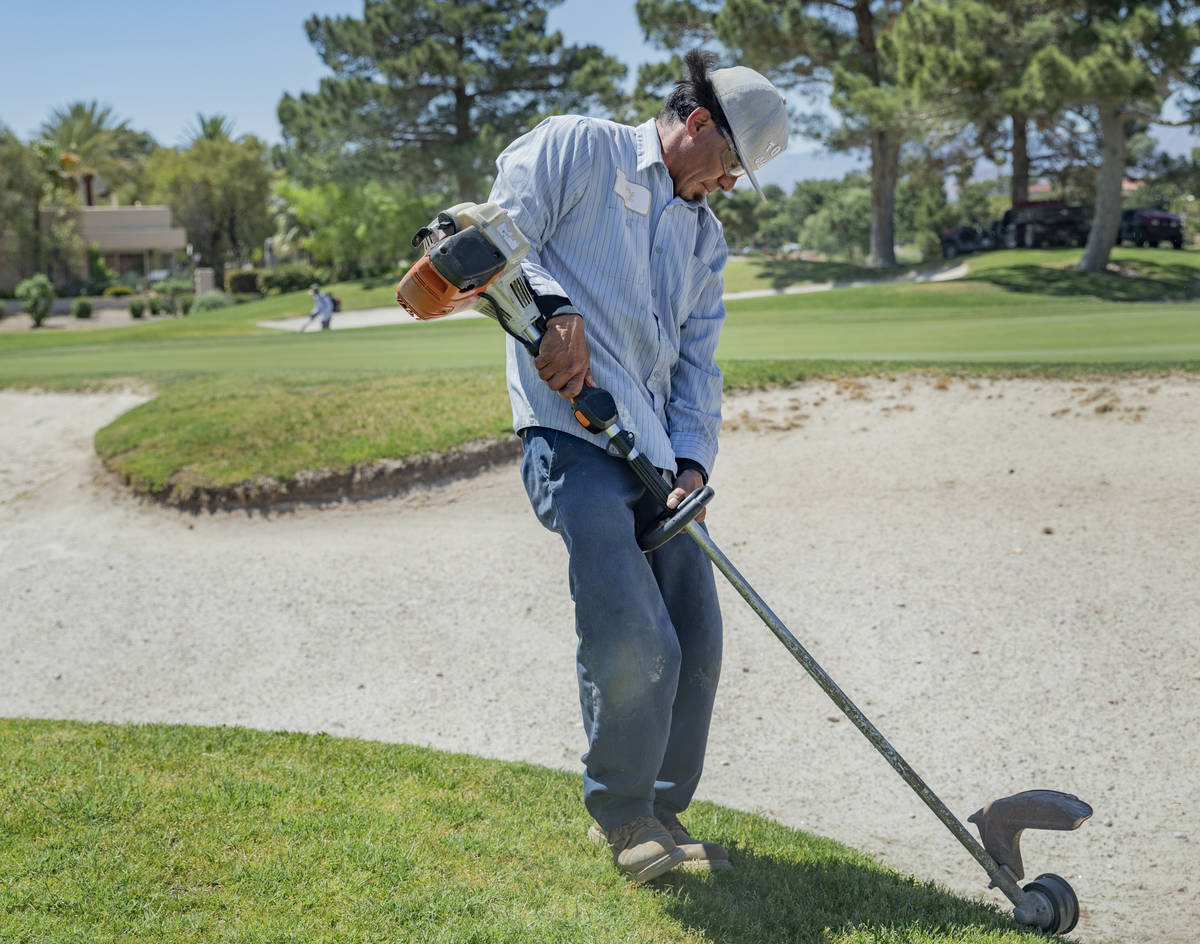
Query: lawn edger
[[472, 259]]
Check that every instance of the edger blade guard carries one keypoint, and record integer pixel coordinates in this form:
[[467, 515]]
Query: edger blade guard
[[1001, 822]]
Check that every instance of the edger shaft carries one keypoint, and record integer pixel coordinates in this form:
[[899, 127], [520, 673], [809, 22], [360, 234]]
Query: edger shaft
[[473, 257], [1048, 903]]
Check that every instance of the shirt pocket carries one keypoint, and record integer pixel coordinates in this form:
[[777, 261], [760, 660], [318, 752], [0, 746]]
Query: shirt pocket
[[695, 278], [626, 247]]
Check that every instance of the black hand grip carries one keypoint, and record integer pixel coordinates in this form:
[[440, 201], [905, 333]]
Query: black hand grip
[[668, 527], [595, 409]]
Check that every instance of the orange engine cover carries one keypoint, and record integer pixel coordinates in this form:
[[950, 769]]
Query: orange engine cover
[[425, 295]]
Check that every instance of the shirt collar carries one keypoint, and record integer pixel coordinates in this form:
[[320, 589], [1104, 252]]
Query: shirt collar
[[649, 148], [649, 151]]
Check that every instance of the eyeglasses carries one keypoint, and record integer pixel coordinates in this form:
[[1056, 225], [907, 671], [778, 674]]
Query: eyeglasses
[[731, 161]]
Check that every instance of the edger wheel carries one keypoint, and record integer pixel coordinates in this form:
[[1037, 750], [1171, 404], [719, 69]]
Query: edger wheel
[[1064, 906]]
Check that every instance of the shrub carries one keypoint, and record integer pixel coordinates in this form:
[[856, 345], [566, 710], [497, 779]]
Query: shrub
[[137, 307], [37, 296], [82, 308], [100, 276], [174, 286], [154, 303], [244, 282], [168, 304], [186, 300], [212, 301], [114, 290], [293, 277]]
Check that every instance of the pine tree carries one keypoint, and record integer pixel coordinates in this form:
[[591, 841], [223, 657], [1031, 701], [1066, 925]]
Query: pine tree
[[432, 91], [810, 44], [1122, 60], [967, 58]]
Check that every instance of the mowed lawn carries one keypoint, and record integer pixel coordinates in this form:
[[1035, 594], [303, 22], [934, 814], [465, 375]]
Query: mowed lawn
[[156, 834], [237, 401]]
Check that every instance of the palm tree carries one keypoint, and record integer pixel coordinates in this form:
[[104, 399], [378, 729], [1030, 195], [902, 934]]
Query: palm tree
[[86, 142], [210, 128]]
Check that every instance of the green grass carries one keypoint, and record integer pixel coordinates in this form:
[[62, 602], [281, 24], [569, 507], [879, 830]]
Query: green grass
[[224, 429], [238, 402], [762, 273], [164, 834], [234, 321]]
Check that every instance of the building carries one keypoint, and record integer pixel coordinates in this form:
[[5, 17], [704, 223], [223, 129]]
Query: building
[[128, 238], [131, 238]]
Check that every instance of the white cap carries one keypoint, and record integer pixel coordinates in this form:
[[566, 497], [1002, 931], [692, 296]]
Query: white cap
[[757, 116]]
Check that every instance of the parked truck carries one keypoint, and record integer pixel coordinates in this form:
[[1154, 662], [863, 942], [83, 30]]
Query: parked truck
[[1143, 225], [1034, 223], [959, 240]]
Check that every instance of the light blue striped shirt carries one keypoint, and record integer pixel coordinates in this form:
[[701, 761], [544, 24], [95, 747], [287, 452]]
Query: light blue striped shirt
[[644, 267]]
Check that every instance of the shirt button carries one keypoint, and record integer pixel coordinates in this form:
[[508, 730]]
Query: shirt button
[[658, 249]]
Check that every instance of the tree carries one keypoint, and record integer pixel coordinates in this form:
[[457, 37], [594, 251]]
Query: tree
[[738, 213], [1123, 61], [352, 230], [922, 213], [218, 190], [38, 225], [968, 59], [88, 142], [431, 91], [807, 44], [22, 179], [839, 226], [210, 128]]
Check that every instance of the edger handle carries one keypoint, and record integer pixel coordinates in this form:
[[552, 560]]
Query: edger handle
[[684, 515], [596, 412]]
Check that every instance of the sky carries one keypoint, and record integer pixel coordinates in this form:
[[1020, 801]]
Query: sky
[[157, 64]]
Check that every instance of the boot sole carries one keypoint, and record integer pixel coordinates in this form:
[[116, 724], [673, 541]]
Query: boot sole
[[659, 866], [705, 865]]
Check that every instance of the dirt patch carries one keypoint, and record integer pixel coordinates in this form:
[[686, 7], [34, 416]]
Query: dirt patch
[[101, 318]]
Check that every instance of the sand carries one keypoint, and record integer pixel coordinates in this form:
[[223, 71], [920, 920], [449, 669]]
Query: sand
[[1002, 574]]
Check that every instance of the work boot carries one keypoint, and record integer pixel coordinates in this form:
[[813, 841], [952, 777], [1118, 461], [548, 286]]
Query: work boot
[[641, 848], [698, 856]]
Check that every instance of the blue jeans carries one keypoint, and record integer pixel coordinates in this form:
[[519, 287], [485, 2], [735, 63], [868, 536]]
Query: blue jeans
[[648, 626]]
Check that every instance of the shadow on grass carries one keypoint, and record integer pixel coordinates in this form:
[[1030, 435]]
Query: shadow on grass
[[768, 899], [784, 272], [1137, 282]]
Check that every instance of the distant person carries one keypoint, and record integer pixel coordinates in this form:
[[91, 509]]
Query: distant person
[[322, 308]]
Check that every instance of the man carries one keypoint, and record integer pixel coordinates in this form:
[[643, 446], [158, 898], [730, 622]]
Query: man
[[322, 308], [627, 259]]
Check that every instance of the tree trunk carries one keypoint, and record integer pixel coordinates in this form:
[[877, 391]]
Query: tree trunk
[[1107, 218], [36, 257], [1020, 158], [885, 171]]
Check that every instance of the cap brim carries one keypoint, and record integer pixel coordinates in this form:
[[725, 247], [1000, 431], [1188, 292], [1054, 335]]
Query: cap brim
[[754, 182], [749, 170]]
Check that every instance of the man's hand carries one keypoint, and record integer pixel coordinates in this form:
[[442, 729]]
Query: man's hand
[[686, 482], [563, 360]]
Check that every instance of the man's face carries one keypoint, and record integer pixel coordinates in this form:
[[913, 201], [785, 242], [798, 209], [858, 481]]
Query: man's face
[[705, 160]]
